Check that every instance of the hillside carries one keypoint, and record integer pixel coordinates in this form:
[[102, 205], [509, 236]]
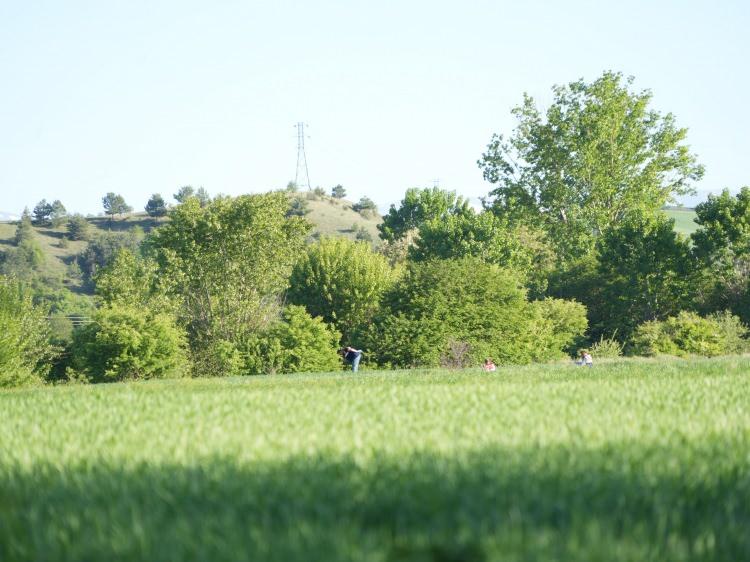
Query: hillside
[[684, 220], [329, 216]]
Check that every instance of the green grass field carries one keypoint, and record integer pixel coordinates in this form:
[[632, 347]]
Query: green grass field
[[630, 460], [684, 220]]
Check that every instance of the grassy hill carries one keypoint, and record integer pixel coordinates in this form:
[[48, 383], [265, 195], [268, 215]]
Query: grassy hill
[[684, 220], [629, 460], [329, 216]]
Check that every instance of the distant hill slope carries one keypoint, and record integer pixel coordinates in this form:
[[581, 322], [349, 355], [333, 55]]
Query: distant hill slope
[[335, 217], [332, 217], [684, 220]]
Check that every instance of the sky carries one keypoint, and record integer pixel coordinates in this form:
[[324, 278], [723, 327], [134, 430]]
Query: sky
[[142, 97]]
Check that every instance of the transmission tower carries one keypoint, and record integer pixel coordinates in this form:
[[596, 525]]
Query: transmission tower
[[301, 177]]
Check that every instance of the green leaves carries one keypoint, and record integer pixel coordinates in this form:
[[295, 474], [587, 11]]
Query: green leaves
[[228, 262], [342, 282], [418, 207], [596, 156], [128, 342], [25, 351]]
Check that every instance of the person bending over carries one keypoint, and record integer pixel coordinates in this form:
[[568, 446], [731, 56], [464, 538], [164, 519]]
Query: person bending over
[[353, 356]]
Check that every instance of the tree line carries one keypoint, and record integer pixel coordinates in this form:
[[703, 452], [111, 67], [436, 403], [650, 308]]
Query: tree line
[[570, 249]]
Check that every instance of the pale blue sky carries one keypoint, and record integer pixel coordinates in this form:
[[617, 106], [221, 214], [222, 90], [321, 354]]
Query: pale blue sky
[[139, 97]]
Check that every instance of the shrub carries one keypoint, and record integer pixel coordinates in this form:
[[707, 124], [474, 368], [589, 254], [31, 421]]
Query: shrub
[[298, 207], [78, 227], [365, 207], [217, 358], [689, 334], [298, 343], [342, 282], [606, 348], [472, 302], [129, 343], [25, 350], [560, 326]]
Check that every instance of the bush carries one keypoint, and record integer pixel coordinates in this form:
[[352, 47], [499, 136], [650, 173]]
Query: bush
[[606, 348], [365, 207], [217, 358], [298, 343], [560, 326], [342, 282], [129, 343], [472, 302], [78, 227], [689, 334], [298, 207], [25, 350]]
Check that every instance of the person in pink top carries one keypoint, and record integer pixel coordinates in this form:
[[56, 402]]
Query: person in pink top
[[489, 366]]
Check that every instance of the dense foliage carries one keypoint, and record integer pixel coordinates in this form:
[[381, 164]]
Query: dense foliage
[[297, 343], [341, 282], [597, 155], [689, 334], [25, 349], [440, 302], [228, 263], [129, 343]]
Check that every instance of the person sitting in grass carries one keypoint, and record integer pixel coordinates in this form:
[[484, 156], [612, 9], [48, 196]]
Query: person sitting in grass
[[353, 356], [489, 365]]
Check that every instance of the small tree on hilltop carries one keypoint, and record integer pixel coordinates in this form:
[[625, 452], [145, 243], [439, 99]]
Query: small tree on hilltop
[[365, 206], [156, 206], [114, 204], [24, 231], [203, 197], [42, 212], [58, 214], [184, 193], [338, 192]]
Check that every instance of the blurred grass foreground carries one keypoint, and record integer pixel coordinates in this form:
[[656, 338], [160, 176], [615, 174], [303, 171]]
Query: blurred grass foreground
[[630, 460]]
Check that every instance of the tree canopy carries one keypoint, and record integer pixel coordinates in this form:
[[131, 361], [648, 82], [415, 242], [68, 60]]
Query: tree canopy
[[598, 154], [418, 207]]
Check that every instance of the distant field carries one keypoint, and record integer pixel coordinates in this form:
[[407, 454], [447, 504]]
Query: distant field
[[683, 220], [629, 460]]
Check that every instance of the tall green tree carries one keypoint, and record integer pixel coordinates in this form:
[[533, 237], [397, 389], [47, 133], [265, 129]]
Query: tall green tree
[[491, 239], [418, 207], [722, 246], [342, 282], [338, 191], [58, 213], [645, 273], [184, 193], [598, 154], [228, 263], [203, 196]]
